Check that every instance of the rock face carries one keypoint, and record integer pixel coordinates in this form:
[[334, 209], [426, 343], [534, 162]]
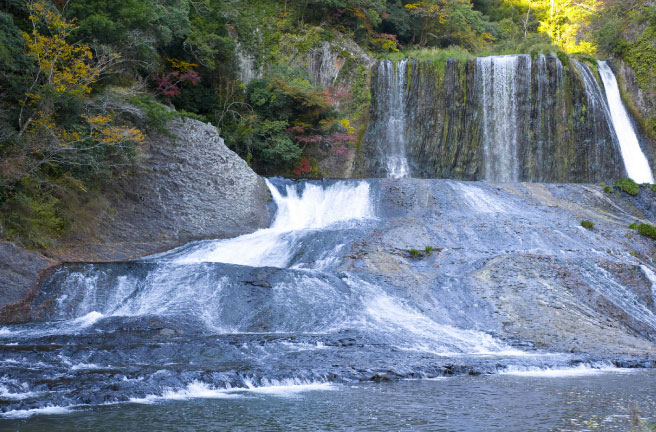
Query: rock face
[[466, 119], [20, 270], [515, 261], [187, 187], [509, 260]]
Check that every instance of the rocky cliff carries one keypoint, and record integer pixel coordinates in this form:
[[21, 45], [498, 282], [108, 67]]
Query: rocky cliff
[[510, 118], [186, 186]]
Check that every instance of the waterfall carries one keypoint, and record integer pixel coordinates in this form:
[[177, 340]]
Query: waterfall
[[594, 95], [498, 81], [392, 81], [635, 162], [314, 208]]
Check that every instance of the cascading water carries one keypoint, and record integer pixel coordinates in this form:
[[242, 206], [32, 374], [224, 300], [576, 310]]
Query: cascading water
[[498, 80], [255, 301], [392, 82], [316, 208], [635, 162], [331, 293]]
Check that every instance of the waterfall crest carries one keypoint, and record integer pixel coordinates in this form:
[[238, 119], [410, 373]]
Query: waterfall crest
[[635, 162]]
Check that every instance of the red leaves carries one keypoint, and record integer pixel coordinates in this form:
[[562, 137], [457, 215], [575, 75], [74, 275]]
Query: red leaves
[[170, 84], [339, 143], [303, 167], [337, 95]]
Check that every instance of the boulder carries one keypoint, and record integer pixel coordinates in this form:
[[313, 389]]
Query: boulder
[[186, 186]]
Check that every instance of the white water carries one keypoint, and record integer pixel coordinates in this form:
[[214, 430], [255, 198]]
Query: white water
[[201, 390], [652, 280], [635, 162], [393, 80], [315, 208], [410, 329], [18, 414], [497, 79], [568, 372]]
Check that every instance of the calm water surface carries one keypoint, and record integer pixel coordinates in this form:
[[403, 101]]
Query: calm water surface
[[492, 402]]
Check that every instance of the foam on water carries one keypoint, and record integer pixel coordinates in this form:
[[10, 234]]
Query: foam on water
[[50, 410], [195, 390], [201, 390], [56, 328], [5, 393], [568, 372]]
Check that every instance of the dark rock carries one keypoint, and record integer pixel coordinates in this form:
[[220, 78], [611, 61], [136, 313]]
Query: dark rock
[[20, 272]]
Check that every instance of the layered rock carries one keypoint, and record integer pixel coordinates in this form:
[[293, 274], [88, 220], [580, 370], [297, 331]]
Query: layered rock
[[500, 119]]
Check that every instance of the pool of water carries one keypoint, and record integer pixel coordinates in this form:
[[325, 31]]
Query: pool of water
[[571, 401]]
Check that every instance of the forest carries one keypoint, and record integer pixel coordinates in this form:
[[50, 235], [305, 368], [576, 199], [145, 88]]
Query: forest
[[84, 83]]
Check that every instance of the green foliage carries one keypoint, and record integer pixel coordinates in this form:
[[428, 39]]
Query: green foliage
[[433, 55], [587, 224], [414, 252], [608, 189], [157, 115], [629, 186], [31, 216], [647, 230], [442, 23], [138, 26], [428, 249], [634, 225], [361, 94]]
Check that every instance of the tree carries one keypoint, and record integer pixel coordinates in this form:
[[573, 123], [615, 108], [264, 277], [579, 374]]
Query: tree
[[562, 20], [450, 22], [65, 73]]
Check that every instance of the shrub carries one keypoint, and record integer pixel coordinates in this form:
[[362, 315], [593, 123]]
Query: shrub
[[647, 230], [628, 186], [634, 225], [608, 189], [587, 224], [428, 249], [414, 252]]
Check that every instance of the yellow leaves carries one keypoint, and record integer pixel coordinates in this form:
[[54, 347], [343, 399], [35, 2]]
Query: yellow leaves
[[562, 20], [72, 69], [347, 126], [64, 67], [103, 131], [97, 119], [414, 6], [181, 65], [358, 13]]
